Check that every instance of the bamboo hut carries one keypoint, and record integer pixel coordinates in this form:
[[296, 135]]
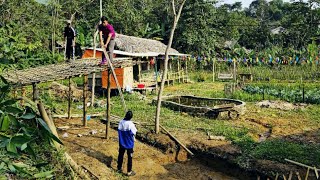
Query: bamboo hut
[[148, 55]]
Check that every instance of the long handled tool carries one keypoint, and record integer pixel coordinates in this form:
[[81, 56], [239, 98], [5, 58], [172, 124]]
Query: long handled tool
[[115, 78], [73, 56], [65, 49]]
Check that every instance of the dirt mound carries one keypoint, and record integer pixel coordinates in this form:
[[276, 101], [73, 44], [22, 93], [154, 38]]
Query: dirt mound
[[282, 105]]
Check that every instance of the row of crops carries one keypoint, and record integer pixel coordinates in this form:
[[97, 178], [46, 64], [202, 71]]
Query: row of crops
[[297, 93], [283, 73]]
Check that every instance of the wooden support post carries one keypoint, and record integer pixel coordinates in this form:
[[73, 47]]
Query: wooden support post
[[234, 71], [108, 104], [23, 95], [156, 71], [213, 70], [14, 93], [307, 174], [35, 92], [93, 88], [179, 70], [69, 99], [85, 92], [187, 69]]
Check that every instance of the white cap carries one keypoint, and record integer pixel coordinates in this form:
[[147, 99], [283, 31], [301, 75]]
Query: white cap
[[68, 21]]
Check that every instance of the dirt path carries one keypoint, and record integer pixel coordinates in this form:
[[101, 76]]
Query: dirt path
[[100, 156]]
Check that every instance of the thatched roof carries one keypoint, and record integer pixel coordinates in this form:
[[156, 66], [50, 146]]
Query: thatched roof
[[140, 45]]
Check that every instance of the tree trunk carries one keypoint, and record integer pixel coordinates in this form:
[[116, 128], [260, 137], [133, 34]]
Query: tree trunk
[[165, 71]]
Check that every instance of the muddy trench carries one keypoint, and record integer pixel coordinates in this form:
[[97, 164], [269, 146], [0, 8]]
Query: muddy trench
[[155, 156]]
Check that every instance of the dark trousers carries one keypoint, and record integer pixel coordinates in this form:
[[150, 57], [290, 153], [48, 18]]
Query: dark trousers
[[120, 158], [69, 49]]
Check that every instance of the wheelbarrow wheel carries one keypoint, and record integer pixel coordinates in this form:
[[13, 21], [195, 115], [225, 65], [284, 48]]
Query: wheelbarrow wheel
[[233, 114]]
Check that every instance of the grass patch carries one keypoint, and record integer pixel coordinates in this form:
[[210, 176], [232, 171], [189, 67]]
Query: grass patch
[[278, 150], [239, 132]]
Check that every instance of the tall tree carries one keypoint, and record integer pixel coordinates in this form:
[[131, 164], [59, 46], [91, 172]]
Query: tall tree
[[176, 16]]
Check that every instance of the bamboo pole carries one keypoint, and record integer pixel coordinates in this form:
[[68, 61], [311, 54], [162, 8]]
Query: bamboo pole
[[108, 104], [93, 88], [290, 175], [69, 99], [35, 92], [156, 71], [179, 70], [14, 93], [307, 175], [85, 92], [23, 95], [234, 71], [184, 147], [115, 79], [53, 129], [213, 70], [300, 164], [298, 176]]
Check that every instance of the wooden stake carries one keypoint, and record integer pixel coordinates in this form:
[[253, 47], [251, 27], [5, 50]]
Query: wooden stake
[[298, 176], [184, 147], [277, 176], [290, 175], [307, 175], [213, 75], [35, 92], [187, 68], [85, 91], [108, 104], [234, 71], [69, 99], [14, 93], [23, 95], [93, 88], [179, 70]]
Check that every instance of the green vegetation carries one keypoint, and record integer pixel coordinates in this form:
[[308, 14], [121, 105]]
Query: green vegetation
[[309, 93], [25, 143], [240, 132], [270, 31]]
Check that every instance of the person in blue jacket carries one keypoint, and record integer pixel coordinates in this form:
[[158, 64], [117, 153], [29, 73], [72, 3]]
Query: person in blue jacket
[[126, 132]]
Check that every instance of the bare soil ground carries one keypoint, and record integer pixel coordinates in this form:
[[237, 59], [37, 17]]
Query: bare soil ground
[[99, 155]]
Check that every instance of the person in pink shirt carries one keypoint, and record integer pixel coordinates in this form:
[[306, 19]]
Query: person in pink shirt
[[107, 37]]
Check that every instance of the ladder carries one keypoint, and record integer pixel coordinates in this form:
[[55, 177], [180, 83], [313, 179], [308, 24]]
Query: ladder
[[115, 78]]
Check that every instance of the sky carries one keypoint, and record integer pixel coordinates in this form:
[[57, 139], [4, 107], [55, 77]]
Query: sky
[[245, 3]]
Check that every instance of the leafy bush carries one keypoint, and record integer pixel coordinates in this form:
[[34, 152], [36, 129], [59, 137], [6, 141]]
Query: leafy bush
[[24, 137]]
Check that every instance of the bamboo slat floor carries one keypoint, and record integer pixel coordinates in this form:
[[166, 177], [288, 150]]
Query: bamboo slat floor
[[60, 71]]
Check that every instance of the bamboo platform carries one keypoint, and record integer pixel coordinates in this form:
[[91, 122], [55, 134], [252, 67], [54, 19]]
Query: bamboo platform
[[60, 71]]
